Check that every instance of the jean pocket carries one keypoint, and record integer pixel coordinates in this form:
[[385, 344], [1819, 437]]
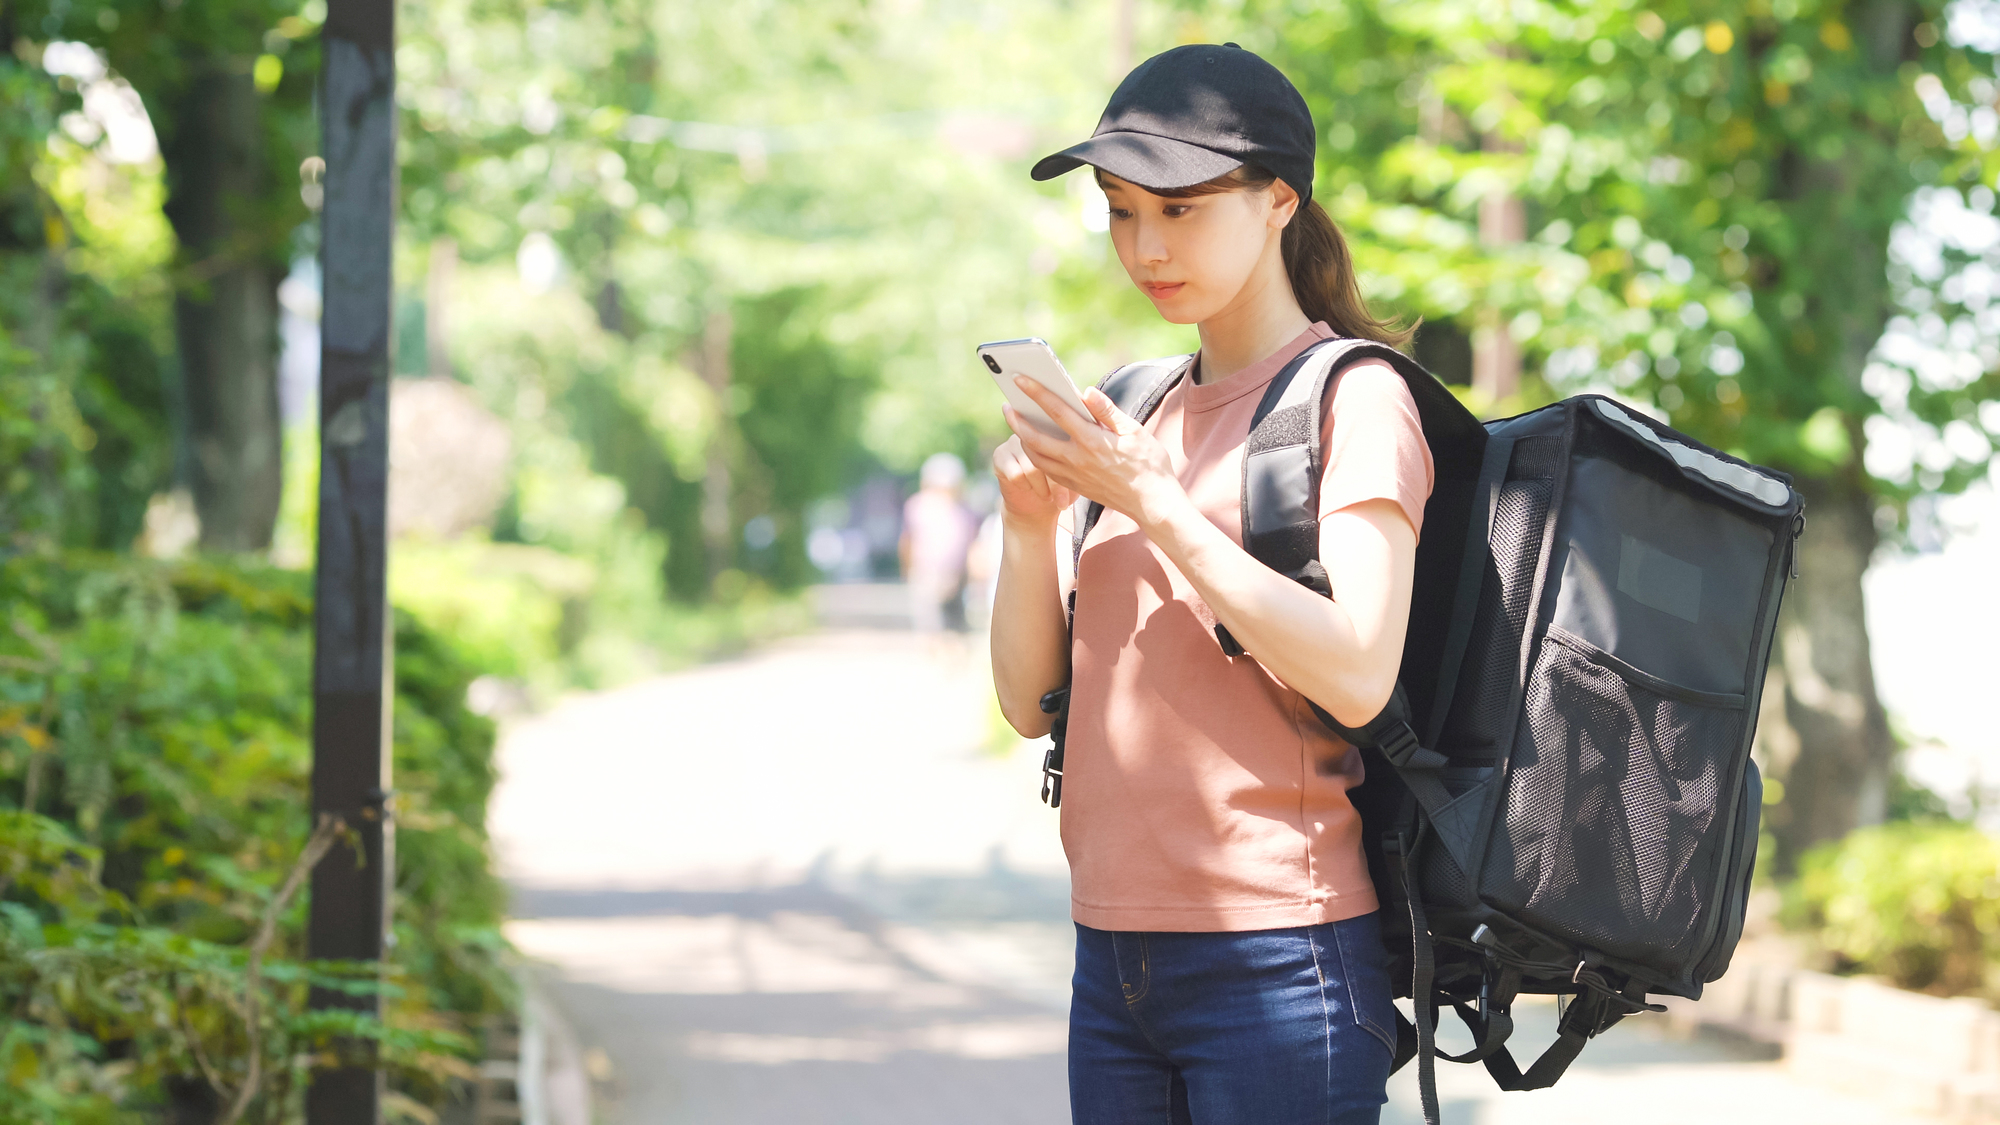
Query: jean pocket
[[1364, 973]]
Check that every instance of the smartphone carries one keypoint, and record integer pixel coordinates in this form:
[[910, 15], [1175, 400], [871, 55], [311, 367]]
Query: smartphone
[[1032, 357]]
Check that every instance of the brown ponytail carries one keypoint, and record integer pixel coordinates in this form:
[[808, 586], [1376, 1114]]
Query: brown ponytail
[[1316, 260]]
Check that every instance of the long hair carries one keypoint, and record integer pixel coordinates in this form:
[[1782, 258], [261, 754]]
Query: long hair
[[1316, 260]]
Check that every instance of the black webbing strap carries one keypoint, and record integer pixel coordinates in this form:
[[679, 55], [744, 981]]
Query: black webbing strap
[[1592, 1013], [1393, 733], [1423, 975], [1471, 577], [1490, 1027], [1579, 1023], [1489, 1032], [1121, 386]]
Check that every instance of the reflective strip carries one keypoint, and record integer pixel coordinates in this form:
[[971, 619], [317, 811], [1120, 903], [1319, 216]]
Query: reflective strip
[[1740, 478]]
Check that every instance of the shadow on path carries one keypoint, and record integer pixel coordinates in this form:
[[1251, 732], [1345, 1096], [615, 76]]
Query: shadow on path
[[883, 1003]]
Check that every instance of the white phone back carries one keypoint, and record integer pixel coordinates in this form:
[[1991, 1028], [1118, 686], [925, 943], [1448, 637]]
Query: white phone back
[[1035, 359]]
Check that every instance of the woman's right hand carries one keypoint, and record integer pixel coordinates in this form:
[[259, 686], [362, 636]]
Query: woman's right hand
[[1027, 495]]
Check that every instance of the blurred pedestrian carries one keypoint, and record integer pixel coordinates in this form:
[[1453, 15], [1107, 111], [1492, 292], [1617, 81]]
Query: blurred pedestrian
[[982, 572], [937, 532]]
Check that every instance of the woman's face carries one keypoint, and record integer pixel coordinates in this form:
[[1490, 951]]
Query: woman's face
[[1196, 256]]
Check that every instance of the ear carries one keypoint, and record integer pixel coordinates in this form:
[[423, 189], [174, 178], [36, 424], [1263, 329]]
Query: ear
[[1284, 205]]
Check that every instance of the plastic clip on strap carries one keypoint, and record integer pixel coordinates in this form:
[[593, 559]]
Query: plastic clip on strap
[[1054, 703]]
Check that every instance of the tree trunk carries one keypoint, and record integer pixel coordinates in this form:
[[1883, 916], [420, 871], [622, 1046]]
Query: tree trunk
[[226, 310], [1822, 733]]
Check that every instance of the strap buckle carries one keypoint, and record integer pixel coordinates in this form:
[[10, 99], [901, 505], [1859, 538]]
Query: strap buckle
[[1052, 776], [1404, 749]]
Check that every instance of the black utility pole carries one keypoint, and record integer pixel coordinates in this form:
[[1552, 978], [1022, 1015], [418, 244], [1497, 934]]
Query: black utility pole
[[351, 659]]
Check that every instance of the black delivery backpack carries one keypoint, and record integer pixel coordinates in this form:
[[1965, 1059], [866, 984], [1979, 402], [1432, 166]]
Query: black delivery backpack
[[1559, 797]]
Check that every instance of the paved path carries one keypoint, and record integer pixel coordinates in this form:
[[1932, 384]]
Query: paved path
[[802, 888]]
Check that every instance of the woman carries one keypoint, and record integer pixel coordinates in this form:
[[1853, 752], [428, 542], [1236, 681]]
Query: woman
[[1229, 964]]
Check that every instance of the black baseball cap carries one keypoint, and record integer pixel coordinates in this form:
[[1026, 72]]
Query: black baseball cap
[[1188, 115]]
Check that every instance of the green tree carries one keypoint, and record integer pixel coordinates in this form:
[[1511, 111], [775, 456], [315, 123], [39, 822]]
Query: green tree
[[791, 223], [84, 437], [229, 90], [1710, 193]]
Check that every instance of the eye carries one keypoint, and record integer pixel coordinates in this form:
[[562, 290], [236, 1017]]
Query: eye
[[1120, 213], [1176, 210]]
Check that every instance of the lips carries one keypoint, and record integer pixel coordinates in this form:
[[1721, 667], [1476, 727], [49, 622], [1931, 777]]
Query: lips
[[1161, 290]]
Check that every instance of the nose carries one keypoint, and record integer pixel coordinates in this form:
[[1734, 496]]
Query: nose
[[1151, 246]]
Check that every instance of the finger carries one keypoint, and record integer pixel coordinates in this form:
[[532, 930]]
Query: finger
[[1107, 413], [1004, 455], [1059, 412], [1035, 442], [1020, 424], [1026, 463], [1015, 470]]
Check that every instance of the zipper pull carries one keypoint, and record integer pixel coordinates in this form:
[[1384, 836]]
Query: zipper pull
[[1798, 529]]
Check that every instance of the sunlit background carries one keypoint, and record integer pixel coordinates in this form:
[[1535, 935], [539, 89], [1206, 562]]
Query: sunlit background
[[693, 824]]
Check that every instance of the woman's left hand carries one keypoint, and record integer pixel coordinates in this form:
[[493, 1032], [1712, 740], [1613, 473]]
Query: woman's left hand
[[1112, 460]]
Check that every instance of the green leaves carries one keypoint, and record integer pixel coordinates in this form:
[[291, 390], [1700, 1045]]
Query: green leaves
[[1918, 902], [166, 706], [1712, 193]]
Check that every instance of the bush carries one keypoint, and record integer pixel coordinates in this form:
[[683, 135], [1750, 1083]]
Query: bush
[[1917, 902], [154, 772]]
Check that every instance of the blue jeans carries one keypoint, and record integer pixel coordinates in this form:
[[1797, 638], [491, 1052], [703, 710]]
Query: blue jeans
[[1271, 1027]]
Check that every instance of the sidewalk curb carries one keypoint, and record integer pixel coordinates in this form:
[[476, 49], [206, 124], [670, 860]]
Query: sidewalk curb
[[1915, 1052], [555, 1082], [536, 1071]]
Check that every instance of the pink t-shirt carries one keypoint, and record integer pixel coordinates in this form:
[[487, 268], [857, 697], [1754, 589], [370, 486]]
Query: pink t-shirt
[[1201, 793]]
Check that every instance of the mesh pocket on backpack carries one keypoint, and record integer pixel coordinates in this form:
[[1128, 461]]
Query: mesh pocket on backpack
[[1611, 829]]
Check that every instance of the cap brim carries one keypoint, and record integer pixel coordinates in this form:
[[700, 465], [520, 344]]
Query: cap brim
[[1140, 158]]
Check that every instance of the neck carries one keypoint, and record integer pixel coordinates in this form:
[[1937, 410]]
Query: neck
[[1264, 317]]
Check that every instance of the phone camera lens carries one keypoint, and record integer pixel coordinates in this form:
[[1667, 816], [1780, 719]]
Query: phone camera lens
[[990, 364]]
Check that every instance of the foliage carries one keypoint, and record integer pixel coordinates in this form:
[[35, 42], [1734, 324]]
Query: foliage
[[154, 768], [551, 621], [836, 189], [1915, 901], [172, 55], [84, 438], [1711, 192]]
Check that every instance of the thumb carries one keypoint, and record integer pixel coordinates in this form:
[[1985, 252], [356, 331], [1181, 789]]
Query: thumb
[[1107, 413]]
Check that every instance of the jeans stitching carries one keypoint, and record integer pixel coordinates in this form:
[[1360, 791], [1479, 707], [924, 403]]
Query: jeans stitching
[[1145, 974], [1375, 1029], [1326, 1015]]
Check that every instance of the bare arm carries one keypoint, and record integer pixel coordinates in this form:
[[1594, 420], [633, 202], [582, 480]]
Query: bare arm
[[1030, 635], [1342, 653]]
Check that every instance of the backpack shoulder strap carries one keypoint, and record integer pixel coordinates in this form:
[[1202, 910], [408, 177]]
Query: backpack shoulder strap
[[1282, 463], [1282, 459]]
